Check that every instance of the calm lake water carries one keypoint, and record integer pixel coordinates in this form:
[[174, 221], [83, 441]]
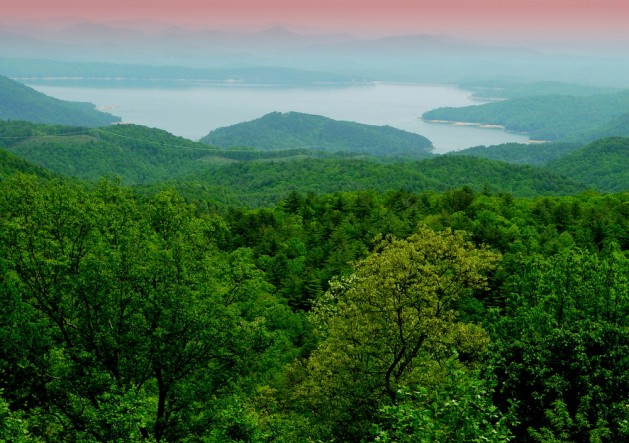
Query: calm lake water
[[194, 111]]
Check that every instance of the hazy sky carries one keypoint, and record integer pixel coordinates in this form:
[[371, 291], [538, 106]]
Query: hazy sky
[[607, 19]]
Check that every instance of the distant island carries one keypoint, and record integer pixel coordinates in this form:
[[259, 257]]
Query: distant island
[[292, 130]]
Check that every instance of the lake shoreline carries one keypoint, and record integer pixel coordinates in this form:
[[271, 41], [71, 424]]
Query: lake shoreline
[[193, 112], [483, 126]]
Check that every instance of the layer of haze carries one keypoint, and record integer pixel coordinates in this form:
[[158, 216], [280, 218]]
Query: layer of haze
[[537, 19]]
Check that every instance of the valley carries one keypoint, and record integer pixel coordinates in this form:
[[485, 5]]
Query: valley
[[257, 235]]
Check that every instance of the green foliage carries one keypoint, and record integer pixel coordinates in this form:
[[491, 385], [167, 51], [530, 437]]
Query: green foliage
[[159, 160], [602, 165], [458, 410], [543, 117], [527, 154], [129, 317], [19, 102], [391, 324], [143, 321], [618, 127], [11, 164], [136, 154], [265, 183], [295, 130], [562, 347], [13, 426]]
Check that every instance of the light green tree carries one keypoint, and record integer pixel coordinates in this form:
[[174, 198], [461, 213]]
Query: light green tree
[[393, 323]]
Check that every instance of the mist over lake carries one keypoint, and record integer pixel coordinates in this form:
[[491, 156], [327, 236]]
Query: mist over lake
[[194, 111]]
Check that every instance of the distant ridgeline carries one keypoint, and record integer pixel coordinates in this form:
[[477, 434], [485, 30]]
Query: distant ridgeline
[[547, 117], [292, 130], [501, 89], [19, 102]]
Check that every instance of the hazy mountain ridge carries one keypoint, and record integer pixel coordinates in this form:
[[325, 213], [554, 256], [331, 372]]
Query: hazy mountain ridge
[[418, 58], [112, 74], [505, 89]]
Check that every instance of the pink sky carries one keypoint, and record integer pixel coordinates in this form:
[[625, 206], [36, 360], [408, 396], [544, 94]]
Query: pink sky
[[533, 18]]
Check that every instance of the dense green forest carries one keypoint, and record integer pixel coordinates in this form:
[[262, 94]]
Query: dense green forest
[[264, 183], [297, 130], [603, 164], [544, 117], [19, 102], [619, 127], [134, 153], [535, 154], [359, 316], [289, 295], [156, 159]]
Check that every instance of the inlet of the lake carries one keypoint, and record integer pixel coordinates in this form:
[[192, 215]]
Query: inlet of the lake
[[195, 110]]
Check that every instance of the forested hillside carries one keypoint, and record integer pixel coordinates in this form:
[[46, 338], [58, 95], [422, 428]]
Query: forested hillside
[[535, 154], [296, 130], [264, 183], [300, 279], [603, 165], [10, 164], [136, 154], [543, 117], [155, 158], [19, 102], [355, 317], [619, 127]]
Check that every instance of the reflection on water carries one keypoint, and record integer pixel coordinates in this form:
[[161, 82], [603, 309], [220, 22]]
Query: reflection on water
[[193, 112]]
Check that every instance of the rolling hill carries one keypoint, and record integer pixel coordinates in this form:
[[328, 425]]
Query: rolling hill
[[19, 102], [134, 153], [535, 154], [11, 164], [603, 164], [546, 117], [264, 183], [157, 159], [296, 130], [619, 127]]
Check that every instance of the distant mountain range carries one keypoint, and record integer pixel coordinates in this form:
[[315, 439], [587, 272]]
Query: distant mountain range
[[416, 58], [169, 45], [19, 102]]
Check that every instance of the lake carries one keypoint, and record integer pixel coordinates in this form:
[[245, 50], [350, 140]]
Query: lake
[[194, 111]]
